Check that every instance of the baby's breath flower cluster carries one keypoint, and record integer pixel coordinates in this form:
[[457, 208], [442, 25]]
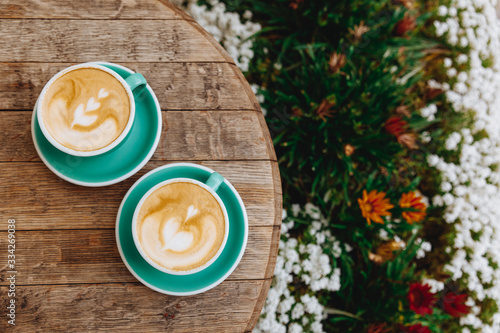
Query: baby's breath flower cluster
[[471, 187], [226, 27], [304, 268]]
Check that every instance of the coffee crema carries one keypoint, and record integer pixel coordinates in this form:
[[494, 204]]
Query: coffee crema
[[181, 226], [86, 109]]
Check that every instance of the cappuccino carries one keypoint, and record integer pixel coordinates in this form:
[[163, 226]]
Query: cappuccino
[[86, 109], [181, 226]]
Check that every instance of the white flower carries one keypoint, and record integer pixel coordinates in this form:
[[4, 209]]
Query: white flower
[[226, 28], [316, 327], [451, 72], [436, 286], [462, 59], [309, 264], [247, 15], [295, 209], [298, 311], [471, 187], [429, 112], [433, 160], [383, 234], [425, 137]]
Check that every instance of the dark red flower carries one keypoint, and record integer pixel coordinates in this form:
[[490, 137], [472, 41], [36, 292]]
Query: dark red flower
[[417, 328], [378, 328], [396, 125], [421, 299], [432, 93], [294, 4], [405, 25], [455, 304]]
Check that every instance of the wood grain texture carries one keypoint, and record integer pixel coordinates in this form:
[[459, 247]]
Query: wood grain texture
[[216, 135], [261, 300], [130, 307], [101, 9], [39, 200], [273, 251], [32, 40], [178, 86], [71, 278], [91, 256], [194, 135], [216, 45]]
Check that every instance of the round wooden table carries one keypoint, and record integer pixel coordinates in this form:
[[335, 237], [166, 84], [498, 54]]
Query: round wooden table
[[70, 277]]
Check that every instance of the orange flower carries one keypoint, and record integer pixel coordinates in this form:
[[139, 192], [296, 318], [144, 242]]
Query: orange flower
[[385, 252], [410, 200], [408, 140], [374, 205], [325, 109], [337, 61], [349, 149]]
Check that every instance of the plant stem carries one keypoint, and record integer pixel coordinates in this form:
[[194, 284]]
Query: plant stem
[[332, 311]]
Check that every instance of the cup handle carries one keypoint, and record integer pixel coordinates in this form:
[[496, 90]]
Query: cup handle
[[214, 181], [136, 80]]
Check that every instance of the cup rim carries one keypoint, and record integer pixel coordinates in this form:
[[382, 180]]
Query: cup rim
[[136, 237], [104, 149]]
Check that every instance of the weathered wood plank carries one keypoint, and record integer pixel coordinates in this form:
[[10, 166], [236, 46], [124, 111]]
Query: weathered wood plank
[[215, 44], [39, 200], [261, 300], [178, 86], [194, 135], [245, 86], [130, 307], [64, 256], [273, 251], [102, 9], [218, 135], [34, 40]]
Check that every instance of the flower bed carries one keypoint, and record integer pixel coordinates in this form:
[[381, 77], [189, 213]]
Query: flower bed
[[386, 123]]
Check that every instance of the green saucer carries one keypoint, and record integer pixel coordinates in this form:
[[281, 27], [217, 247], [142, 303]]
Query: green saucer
[[117, 164], [182, 285]]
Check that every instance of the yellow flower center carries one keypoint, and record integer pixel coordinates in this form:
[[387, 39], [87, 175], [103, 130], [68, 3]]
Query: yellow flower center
[[368, 207]]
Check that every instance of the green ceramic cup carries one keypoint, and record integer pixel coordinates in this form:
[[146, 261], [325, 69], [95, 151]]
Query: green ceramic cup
[[190, 284], [117, 164], [211, 185]]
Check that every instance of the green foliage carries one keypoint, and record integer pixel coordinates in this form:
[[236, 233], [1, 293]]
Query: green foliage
[[332, 74]]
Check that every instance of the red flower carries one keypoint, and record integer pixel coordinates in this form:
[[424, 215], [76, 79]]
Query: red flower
[[421, 299], [455, 304], [396, 125], [294, 4], [378, 328], [406, 24], [417, 328]]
